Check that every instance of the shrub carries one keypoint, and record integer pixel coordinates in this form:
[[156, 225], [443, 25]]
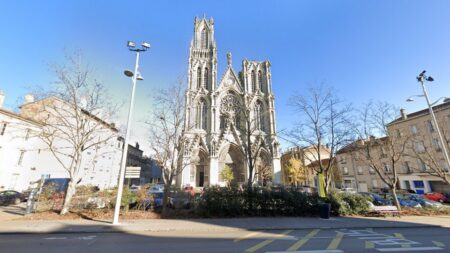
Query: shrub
[[343, 203]]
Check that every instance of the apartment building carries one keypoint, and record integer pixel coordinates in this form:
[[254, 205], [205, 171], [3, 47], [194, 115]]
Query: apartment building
[[423, 150], [25, 157]]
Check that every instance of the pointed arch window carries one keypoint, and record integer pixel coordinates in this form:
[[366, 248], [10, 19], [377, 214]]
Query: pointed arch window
[[199, 77], [205, 79], [204, 39], [260, 81], [253, 81], [202, 115], [259, 118]]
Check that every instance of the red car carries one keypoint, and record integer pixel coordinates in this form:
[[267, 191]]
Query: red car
[[436, 196]]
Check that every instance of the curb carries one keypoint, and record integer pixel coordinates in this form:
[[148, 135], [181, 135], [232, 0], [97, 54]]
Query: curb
[[118, 230]]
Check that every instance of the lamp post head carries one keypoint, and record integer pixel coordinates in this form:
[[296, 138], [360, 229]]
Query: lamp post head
[[128, 73], [429, 79], [131, 44], [145, 45]]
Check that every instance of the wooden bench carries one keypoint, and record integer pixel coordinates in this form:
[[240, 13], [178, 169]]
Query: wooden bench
[[385, 211]]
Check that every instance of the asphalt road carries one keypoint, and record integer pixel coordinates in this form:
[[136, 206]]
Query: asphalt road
[[305, 241]]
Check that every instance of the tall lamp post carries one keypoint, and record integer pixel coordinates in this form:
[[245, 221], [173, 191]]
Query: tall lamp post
[[421, 79], [134, 77]]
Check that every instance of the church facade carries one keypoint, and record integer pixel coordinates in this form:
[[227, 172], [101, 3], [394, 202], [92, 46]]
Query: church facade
[[227, 120]]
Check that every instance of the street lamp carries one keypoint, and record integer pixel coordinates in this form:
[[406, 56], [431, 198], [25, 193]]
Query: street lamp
[[136, 75], [421, 79]]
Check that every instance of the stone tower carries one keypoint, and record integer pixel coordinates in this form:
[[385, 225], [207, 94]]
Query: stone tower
[[217, 116]]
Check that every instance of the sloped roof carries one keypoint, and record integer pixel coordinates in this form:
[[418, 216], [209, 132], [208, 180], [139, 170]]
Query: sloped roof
[[423, 112]]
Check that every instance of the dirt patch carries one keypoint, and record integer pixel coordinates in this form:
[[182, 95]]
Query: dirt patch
[[97, 215]]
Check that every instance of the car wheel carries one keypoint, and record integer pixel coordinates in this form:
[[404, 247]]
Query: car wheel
[[16, 201]]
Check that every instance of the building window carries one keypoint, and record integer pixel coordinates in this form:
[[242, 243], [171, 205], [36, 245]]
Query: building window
[[202, 115], [360, 170], [386, 167], [413, 129], [259, 120], [444, 165], [399, 133], [371, 170], [22, 153], [423, 165], [253, 81], [205, 79], [260, 81], [436, 145], [420, 147], [345, 171], [204, 39], [430, 126], [3, 129], [199, 77], [27, 135], [374, 183], [343, 160], [407, 167]]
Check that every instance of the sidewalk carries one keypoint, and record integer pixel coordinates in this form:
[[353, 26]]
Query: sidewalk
[[232, 224]]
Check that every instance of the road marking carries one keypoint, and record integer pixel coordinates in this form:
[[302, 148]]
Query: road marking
[[334, 244], [266, 242], [439, 244], [55, 238], [309, 251], [400, 236], [247, 236], [408, 249], [370, 245], [304, 240], [90, 237]]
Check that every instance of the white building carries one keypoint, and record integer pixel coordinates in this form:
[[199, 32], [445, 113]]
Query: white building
[[25, 158], [216, 114]]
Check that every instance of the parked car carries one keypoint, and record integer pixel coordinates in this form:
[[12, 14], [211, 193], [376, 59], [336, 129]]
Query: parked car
[[155, 201], [10, 198], [423, 201], [377, 199], [351, 190], [404, 200], [180, 200], [436, 196]]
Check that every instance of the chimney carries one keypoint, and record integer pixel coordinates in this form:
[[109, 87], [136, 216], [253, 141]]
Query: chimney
[[2, 98], [29, 98], [137, 145], [403, 113]]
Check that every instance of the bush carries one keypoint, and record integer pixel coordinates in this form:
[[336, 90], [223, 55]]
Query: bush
[[344, 203], [234, 202]]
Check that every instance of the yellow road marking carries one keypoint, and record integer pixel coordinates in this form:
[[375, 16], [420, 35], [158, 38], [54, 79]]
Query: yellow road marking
[[247, 236], [439, 244], [265, 243], [398, 235], [334, 244], [305, 239], [370, 245]]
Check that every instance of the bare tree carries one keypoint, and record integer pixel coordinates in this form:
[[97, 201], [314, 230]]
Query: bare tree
[[384, 152], [166, 138], [73, 114], [323, 126], [430, 154]]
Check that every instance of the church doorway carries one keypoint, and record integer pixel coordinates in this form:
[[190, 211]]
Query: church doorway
[[233, 157], [200, 172]]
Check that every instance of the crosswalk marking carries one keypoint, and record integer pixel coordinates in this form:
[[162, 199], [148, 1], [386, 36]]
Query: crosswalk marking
[[247, 236], [439, 244], [400, 236], [334, 244], [305, 239], [408, 249], [265, 243], [370, 245], [310, 251]]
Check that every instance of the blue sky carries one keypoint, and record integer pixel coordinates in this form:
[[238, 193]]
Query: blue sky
[[365, 49]]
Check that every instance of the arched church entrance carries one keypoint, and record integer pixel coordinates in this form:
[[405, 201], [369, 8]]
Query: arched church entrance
[[233, 157], [200, 170], [263, 166]]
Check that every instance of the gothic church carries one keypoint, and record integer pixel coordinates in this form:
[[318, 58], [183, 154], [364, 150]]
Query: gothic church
[[222, 118]]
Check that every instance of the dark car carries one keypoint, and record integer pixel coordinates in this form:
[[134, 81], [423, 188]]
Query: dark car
[[376, 199], [10, 198]]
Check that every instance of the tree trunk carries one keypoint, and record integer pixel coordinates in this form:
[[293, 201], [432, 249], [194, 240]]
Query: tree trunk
[[71, 189], [165, 199], [394, 194]]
